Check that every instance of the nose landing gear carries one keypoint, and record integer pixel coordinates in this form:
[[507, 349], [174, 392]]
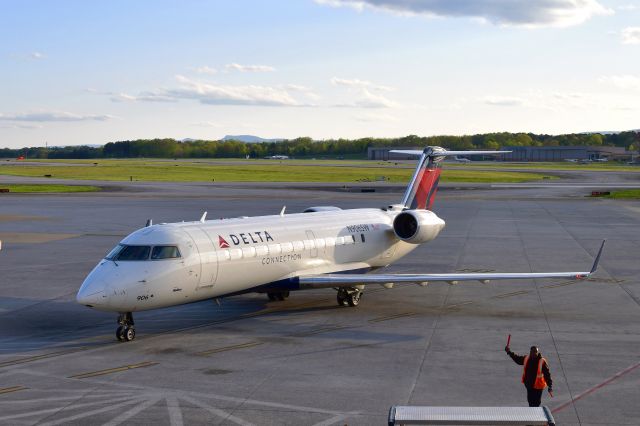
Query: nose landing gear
[[349, 296], [280, 295], [126, 330]]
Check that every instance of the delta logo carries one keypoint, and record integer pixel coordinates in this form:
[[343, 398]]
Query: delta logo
[[245, 238], [223, 243]]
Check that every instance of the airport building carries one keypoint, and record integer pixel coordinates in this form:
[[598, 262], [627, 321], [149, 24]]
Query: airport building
[[524, 153], [383, 154], [563, 153]]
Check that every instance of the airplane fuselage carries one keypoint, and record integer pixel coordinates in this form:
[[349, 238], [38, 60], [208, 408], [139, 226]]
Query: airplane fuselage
[[171, 264]]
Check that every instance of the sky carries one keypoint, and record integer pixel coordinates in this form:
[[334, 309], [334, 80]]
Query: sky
[[88, 72]]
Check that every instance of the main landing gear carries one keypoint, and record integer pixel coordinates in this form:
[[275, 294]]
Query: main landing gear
[[126, 330], [279, 295], [349, 296]]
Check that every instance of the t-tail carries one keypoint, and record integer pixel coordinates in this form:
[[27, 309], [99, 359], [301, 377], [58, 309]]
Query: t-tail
[[422, 189]]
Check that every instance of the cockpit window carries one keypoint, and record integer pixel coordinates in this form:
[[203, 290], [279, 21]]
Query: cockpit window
[[133, 253], [113, 253], [165, 252]]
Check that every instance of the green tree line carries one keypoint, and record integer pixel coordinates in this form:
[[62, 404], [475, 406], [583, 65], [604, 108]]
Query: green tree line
[[307, 147]]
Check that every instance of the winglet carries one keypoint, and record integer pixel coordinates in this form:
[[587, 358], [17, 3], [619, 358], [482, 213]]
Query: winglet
[[203, 217], [595, 262]]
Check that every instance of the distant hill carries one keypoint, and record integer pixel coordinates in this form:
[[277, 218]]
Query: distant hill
[[249, 139]]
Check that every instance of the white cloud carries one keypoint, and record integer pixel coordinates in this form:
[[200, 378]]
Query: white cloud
[[36, 56], [356, 83], [53, 116], [249, 68], [27, 126], [304, 90], [631, 35], [370, 100], [206, 70], [213, 94], [622, 81], [527, 13], [217, 94], [366, 99], [628, 6], [144, 97], [503, 101]]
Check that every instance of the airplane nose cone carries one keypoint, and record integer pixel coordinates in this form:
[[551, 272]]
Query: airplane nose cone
[[91, 293], [89, 300]]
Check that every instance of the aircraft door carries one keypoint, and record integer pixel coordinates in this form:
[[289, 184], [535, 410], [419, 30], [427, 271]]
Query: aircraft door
[[313, 248], [208, 259]]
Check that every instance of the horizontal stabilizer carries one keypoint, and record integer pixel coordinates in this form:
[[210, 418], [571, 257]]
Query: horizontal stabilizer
[[445, 153]]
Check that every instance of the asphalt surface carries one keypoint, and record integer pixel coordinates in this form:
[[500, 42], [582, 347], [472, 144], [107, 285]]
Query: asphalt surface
[[306, 360]]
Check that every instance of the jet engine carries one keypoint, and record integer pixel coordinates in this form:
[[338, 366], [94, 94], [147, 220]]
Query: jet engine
[[417, 226]]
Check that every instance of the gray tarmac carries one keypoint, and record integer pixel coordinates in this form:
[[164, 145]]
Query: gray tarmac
[[306, 360]]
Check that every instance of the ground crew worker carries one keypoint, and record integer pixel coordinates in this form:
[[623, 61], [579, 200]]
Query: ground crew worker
[[535, 374]]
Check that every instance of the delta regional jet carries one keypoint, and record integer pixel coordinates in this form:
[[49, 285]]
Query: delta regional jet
[[170, 264]]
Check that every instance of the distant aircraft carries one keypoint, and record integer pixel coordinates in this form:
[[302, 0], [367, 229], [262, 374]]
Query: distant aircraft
[[324, 247], [277, 157], [461, 160]]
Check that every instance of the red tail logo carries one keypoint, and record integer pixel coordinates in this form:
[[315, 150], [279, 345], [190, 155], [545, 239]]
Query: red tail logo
[[223, 243], [425, 188]]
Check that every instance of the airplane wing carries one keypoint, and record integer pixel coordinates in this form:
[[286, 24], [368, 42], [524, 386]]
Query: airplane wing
[[349, 280]]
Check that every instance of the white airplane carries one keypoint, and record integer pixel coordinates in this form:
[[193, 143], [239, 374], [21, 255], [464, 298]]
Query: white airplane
[[324, 247]]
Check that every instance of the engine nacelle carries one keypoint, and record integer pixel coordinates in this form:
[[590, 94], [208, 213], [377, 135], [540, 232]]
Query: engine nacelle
[[417, 226]]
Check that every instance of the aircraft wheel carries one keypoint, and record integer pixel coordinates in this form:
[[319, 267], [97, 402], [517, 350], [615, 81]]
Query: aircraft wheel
[[120, 333], [354, 298], [129, 334], [342, 298]]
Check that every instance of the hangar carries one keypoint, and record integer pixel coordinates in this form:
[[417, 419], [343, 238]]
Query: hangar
[[561, 153]]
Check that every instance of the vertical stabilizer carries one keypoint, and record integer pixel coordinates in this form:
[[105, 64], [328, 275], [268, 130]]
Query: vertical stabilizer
[[421, 192], [422, 189]]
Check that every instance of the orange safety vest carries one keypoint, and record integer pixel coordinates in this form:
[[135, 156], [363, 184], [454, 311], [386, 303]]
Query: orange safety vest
[[540, 383]]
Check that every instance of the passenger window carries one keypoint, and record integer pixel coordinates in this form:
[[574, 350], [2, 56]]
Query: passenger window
[[235, 254], [134, 253], [165, 252], [248, 252], [287, 247], [262, 250]]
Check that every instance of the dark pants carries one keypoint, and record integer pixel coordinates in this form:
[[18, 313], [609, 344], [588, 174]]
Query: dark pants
[[534, 397]]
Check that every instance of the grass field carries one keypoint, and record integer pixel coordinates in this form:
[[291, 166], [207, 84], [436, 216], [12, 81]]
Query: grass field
[[625, 194], [246, 171], [23, 188]]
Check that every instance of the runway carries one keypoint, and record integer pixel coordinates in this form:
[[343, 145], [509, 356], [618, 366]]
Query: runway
[[306, 360]]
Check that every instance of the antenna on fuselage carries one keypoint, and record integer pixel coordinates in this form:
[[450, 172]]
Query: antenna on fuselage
[[204, 216], [149, 223]]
